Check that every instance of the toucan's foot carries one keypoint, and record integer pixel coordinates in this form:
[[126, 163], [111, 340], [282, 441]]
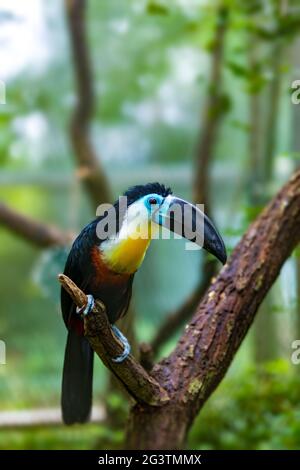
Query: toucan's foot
[[125, 343], [88, 307]]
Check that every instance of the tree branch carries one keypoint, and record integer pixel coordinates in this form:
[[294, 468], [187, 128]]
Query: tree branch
[[37, 233], [140, 385], [90, 170], [209, 343]]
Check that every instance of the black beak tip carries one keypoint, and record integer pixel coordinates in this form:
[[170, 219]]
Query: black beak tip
[[213, 241], [220, 251], [217, 249], [223, 257]]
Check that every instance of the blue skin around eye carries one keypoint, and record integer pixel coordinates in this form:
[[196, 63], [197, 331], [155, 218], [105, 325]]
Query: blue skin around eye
[[150, 196], [159, 215]]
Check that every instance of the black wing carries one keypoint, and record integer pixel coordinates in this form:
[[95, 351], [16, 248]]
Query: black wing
[[78, 268]]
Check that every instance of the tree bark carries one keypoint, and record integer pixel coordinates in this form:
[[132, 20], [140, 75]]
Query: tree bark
[[204, 352]]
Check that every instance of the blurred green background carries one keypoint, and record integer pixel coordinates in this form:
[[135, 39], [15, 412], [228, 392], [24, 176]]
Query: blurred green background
[[153, 64]]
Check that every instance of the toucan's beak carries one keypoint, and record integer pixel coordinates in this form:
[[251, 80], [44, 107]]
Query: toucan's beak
[[187, 220]]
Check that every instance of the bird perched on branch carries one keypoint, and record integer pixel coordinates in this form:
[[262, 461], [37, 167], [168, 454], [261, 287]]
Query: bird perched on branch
[[103, 261]]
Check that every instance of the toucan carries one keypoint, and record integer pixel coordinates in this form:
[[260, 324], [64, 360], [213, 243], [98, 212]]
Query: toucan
[[103, 261]]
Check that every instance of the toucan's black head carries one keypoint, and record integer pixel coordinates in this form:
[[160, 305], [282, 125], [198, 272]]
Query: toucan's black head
[[134, 193]]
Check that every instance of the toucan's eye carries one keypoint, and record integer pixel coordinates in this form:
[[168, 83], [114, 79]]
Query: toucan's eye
[[152, 201]]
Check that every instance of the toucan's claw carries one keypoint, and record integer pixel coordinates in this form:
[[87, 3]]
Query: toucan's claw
[[125, 343], [88, 307]]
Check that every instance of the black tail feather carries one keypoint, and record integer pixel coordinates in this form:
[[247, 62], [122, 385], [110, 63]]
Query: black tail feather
[[77, 383]]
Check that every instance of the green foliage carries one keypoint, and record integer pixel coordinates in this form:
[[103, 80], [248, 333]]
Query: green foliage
[[251, 212], [284, 27], [154, 8], [98, 436], [222, 103], [259, 409], [250, 7], [243, 126], [296, 252], [255, 77]]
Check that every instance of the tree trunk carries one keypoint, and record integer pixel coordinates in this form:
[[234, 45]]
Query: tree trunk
[[161, 429]]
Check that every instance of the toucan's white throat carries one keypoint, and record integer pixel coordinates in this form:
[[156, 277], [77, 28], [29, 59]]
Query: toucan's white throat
[[125, 251]]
